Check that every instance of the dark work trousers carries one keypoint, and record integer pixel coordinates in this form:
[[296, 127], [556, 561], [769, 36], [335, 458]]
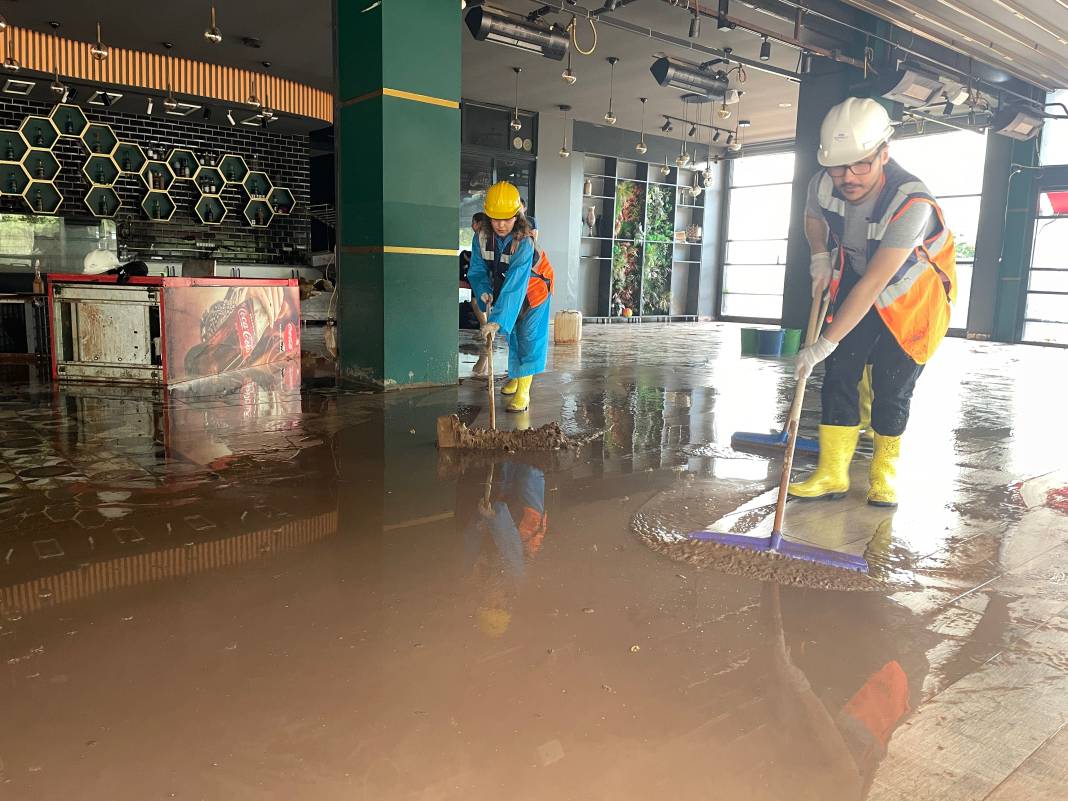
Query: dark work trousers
[[893, 374]]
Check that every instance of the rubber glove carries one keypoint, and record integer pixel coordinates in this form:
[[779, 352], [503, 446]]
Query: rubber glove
[[819, 268], [811, 356], [489, 330]]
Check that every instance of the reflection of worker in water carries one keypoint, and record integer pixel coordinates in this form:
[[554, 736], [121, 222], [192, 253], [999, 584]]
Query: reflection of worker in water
[[882, 249], [505, 534], [506, 264], [846, 677]]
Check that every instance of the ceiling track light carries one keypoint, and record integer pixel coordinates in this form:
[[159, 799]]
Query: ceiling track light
[[516, 125], [693, 130], [684, 157], [765, 49], [695, 23], [488, 24], [3, 23], [253, 98], [213, 34], [98, 50], [641, 147], [564, 151], [610, 116], [805, 64], [723, 22]]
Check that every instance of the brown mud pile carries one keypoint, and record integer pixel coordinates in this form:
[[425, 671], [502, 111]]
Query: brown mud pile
[[665, 522], [550, 437]]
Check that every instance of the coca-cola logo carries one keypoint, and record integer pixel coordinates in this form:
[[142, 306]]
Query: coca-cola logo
[[246, 332]]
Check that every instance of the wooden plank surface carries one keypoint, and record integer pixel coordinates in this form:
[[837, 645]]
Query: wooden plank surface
[[1042, 777]]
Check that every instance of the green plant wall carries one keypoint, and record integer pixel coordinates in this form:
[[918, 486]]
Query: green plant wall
[[626, 279], [656, 279], [630, 212], [660, 213]]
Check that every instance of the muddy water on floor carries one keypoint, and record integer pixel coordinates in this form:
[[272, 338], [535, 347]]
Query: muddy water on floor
[[292, 595]]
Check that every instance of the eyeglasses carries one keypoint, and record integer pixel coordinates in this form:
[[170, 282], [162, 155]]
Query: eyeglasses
[[859, 168]]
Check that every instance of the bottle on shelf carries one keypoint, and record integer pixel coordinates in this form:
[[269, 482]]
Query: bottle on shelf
[[95, 146], [12, 185], [100, 177], [126, 162], [38, 200], [102, 205], [209, 214], [9, 152], [68, 126], [38, 138], [259, 216], [39, 170], [155, 209]]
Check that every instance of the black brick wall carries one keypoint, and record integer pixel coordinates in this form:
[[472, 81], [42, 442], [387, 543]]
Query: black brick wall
[[284, 157]]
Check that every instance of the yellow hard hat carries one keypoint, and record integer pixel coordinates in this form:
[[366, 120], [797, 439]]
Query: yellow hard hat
[[502, 201]]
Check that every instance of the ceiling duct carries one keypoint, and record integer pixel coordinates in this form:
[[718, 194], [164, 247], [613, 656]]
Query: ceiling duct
[[511, 30], [688, 77]]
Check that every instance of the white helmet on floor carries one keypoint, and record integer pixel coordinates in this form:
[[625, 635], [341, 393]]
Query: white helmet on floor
[[852, 131]]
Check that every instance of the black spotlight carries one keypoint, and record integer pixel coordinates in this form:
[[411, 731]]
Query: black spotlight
[[722, 23], [493, 25], [695, 25], [693, 131], [666, 127], [765, 49]]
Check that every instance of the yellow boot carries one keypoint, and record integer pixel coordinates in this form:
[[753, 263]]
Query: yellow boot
[[521, 401], [831, 479], [510, 386], [884, 471], [865, 402]]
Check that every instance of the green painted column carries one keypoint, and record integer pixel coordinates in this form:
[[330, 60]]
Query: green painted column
[[1016, 249], [398, 159]]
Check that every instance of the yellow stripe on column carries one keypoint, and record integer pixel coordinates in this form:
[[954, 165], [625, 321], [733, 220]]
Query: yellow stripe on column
[[402, 95], [398, 249]]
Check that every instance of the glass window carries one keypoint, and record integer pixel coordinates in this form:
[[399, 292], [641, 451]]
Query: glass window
[[758, 223], [1054, 142], [1046, 311], [476, 175]]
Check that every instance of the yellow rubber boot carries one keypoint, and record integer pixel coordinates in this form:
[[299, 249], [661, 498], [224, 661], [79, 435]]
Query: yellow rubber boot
[[884, 471], [521, 401], [865, 402], [831, 479], [510, 386]]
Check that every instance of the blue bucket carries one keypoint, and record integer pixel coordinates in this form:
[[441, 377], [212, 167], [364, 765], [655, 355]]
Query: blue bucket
[[770, 343]]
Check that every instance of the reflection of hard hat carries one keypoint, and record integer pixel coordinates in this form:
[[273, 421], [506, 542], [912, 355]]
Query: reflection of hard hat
[[97, 262], [502, 201], [853, 130], [494, 621]]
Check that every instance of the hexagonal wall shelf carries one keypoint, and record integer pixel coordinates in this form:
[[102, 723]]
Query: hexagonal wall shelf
[[209, 180], [129, 158], [69, 120], [210, 210], [233, 169], [158, 206], [39, 132], [257, 184], [42, 197], [183, 164], [157, 175], [102, 201], [101, 170], [258, 213], [99, 138], [41, 165], [281, 200], [13, 179], [12, 146]]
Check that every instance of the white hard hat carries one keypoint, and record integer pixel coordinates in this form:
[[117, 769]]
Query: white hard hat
[[853, 130], [97, 262]]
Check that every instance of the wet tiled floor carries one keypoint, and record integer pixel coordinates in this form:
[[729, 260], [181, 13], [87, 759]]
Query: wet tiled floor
[[249, 590]]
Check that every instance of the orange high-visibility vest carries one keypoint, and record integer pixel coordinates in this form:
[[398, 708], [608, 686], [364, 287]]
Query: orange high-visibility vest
[[540, 285], [917, 303]]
